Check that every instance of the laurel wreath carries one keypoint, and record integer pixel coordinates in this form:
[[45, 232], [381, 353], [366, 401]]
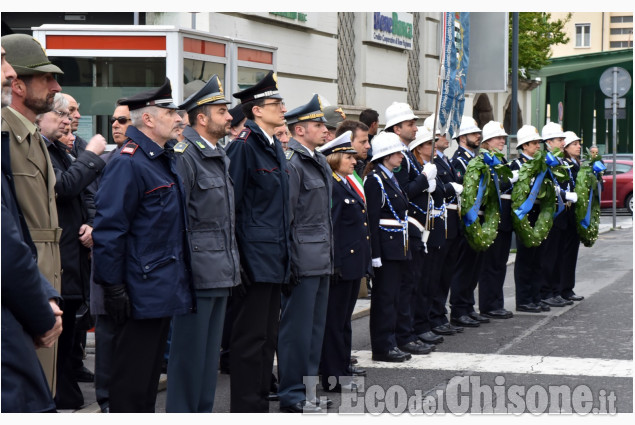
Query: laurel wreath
[[586, 180], [534, 235], [481, 235]]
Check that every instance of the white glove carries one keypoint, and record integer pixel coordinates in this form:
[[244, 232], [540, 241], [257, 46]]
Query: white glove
[[376, 262], [432, 184], [514, 178], [458, 188], [571, 196], [430, 170]]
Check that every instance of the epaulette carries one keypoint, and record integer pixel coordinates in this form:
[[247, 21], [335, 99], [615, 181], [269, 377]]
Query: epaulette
[[200, 144], [129, 148], [244, 134], [336, 177], [289, 153], [180, 147]]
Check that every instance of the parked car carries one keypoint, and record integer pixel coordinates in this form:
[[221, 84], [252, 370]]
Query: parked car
[[624, 184]]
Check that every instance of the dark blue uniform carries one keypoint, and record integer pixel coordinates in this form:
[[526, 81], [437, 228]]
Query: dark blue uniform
[[572, 238], [261, 189], [351, 262], [139, 241]]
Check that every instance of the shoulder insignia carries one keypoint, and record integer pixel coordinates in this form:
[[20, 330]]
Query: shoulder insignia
[[289, 153], [200, 144], [180, 147], [129, 148], [336, 177], [244, 134]]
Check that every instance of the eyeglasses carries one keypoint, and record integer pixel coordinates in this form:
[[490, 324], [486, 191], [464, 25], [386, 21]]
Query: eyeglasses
[[280, 105], [120, 120], [62, 114]]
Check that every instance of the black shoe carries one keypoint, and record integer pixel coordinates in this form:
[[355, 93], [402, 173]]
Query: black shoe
[[403, 353], [430, 338], [326, 405], [339, 388], [353, 360], [413, 348], [543, 306], [464, 321], [562, 300], [499, 314], [392, 356], [356, 371], [273, 397], [528, 308], [301, 407], [85, 375], [574, 297], [553, 302], [479, 318], [445, 329]]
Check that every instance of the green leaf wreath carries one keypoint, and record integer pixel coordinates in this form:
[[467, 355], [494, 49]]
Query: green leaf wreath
[[586, 180], [534, 235], [481, 236]]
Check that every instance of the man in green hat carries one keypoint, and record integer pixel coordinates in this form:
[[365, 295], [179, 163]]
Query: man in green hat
[[32, 93]]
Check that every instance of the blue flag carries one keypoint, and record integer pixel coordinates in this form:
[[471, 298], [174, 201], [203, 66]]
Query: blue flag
[[455, 56]]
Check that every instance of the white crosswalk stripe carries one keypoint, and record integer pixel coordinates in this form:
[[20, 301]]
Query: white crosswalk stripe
[[498, 363]]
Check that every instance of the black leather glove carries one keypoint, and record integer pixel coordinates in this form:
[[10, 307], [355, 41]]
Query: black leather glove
[[336, 276], [241, 290], [117, 303], [288, 288]]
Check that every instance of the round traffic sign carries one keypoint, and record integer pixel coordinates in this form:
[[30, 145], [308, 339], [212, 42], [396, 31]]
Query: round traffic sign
[[623, 81]]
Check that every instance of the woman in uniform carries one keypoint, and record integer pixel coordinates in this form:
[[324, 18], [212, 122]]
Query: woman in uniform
[[351, 263]]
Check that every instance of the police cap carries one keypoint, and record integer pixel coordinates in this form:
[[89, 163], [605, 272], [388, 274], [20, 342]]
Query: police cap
[[210, 94], [237, 115], [312, 111], [341, 143], [334, 115], [267, 88], [161, 97]]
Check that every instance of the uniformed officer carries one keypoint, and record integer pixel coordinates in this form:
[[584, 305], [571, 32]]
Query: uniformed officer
[[351, 260], [415, 181], [554, 246], [427, 211], [388, 222], [140, 255], [468, 266], [445, 256], [491, 299], [528, 277], [572, 151], [204, 167], [304, 301], [261, 190]]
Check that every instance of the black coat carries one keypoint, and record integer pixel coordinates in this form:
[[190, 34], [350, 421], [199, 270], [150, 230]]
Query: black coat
[[350, 232], [261, 189], [73, 201], [414, 184], [26, 312], [446, 174]]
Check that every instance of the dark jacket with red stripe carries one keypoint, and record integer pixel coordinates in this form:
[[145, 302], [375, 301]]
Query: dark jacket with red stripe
[[140, 229]]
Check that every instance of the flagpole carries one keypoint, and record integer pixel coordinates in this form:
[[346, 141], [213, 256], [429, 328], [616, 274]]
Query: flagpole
[[436, 106]]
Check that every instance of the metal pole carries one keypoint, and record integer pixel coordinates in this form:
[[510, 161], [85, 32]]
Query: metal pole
[[514, 121], [615, 70]]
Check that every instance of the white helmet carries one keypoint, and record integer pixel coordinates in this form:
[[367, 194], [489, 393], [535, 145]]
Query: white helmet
[[527, 133], [468, 126], [424, 134], [570, 137], [493, 129], [429, 122], [398, 112], [386, 143], [552, 130]]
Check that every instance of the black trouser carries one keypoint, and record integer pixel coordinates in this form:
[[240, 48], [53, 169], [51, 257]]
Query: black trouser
[[68, 395], [493, 271], [569, 255], [384, 304], [253, 343], [552, 254], [445, 258], [427, 275], [465, 279], [336, 348], [528, 277], [105, 332], [136, 365], [410, 278]]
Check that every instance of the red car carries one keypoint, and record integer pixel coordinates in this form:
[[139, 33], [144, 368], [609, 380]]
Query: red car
[[624, 187]]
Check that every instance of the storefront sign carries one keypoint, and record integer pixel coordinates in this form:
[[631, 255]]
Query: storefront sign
[[392, 29]]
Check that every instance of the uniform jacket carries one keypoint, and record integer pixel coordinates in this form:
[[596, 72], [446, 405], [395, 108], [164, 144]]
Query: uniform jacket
[[210, 206], [310, 186], [34, 180], [72, 177], [573, 175], [532, 215], [505, 187], [446, 174], [385, 244], [413, 183], [261, 190], [459, 161], [139, 234], [26, 312], [351, 235]]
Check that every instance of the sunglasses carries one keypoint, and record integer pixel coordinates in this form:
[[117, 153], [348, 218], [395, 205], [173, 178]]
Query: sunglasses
[[120, 120]]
